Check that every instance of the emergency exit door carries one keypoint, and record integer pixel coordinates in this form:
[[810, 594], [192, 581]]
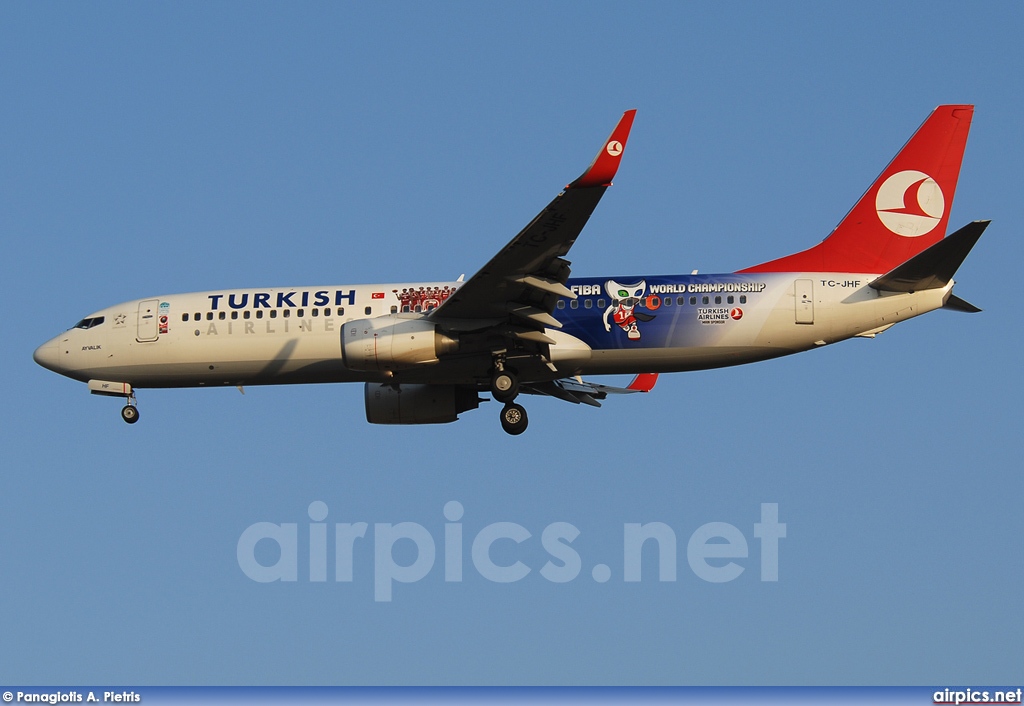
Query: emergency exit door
[[803, 289]]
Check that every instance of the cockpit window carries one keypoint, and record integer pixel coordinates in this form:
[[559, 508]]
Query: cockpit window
[[89, 323]]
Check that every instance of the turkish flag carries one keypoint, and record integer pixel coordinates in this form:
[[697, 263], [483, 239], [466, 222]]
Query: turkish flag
[[378, 295]]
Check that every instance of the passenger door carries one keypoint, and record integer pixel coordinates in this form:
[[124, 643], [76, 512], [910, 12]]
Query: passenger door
[[804, 301], [147, 321]]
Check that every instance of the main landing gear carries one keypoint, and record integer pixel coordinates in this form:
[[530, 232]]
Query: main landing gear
[[130, 413], [513, 419], [505, 388]]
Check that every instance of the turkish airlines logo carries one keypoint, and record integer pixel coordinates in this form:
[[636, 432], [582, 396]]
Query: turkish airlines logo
[[910, 203], [736, 314], [614, 148]]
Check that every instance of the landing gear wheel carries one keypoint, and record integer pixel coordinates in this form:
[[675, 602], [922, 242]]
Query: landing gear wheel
[[130, 413], [513, 419], [504, 386]]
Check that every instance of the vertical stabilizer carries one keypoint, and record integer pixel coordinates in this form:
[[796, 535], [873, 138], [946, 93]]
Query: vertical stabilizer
[[904, 212]]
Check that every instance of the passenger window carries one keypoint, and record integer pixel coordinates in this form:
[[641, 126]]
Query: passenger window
[[667, 301], [369, 310], [574, 304], [730, 299], [222, 316], [693, 301], [316, 312], [197, 316], [273, 313], [184, 317], [299, 313], [209, 316], [394, 309], [743, 299], [681, 301], [600, 303], [560, 304], [286, 313], [718, 300], [234, 314], [704, 300], [588, 304], [245, 314], [259, 313], [341, 311]]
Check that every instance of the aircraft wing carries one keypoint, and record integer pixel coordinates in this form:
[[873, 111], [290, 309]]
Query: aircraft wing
[[521, 284], [577, 390]]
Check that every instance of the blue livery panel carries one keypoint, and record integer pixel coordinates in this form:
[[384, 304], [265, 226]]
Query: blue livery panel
[[666, 311]]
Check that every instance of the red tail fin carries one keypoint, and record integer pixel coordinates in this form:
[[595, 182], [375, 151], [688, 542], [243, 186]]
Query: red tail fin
[[904, 211]]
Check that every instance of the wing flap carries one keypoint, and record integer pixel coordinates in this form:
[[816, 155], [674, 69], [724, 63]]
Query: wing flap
[[535, 316], [544, 284]]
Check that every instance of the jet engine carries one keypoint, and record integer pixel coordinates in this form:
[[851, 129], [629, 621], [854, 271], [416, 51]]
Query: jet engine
[[417, 404], [389, 343]]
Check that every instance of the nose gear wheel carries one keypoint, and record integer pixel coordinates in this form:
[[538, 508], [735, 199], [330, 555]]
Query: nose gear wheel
[[130, 413]]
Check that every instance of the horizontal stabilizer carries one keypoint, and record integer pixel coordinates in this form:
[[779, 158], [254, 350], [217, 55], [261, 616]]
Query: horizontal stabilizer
[[957, 304], [934, 267]]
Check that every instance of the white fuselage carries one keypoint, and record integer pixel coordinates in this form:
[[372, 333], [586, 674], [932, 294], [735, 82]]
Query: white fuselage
[[274, 336]]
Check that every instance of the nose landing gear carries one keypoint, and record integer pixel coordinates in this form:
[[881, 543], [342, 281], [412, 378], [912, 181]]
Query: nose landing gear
[[130, 413]]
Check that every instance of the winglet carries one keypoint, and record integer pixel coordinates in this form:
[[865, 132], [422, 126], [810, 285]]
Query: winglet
[[602, 170], [644, 382]]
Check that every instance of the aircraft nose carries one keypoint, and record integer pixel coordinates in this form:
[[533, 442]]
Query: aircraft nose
[[48, 355]]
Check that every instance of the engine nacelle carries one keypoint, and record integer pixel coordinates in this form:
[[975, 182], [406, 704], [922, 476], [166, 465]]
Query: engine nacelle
[[390, 343], [417, 404]]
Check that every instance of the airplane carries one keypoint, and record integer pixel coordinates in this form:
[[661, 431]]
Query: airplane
[[426, 351]]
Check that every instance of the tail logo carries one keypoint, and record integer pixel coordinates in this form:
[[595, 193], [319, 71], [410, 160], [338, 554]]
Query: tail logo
[[614, 148], [910, 203]]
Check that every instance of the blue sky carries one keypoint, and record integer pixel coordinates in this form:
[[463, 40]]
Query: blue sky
[[155, 148]]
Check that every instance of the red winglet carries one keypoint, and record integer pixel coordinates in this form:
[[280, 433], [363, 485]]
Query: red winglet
[[602, 170], [644, 382]]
